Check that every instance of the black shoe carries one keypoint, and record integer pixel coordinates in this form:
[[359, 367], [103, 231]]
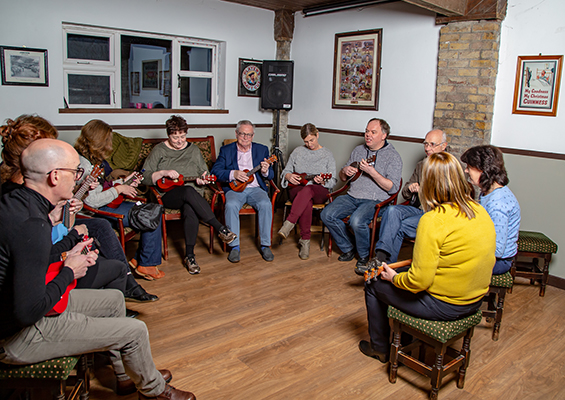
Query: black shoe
[[191, 265], [234, 255], [361, 266], [382, 256], [368, 350], [131, 313], [139, 295], [350, 255], [267, 254]]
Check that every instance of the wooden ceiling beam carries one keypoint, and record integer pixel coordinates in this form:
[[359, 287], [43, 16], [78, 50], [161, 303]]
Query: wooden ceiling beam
[[450, 8]]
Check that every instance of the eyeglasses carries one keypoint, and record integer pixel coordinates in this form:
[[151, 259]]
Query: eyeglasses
[[78, 171], [432, 144], [245, 135]]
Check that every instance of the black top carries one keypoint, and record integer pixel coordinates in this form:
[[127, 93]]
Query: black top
[[25, 254]]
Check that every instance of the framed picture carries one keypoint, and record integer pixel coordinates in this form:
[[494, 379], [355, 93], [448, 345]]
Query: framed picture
[[357, 68], [23, 66], [249, 82], [150, 70], [134, 81], [537, 85]]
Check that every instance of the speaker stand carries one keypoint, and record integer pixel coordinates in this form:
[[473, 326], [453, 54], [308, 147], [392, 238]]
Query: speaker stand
[[277, 152]]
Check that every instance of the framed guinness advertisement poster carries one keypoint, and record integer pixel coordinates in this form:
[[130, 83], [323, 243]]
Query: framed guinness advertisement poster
[[249, 82]]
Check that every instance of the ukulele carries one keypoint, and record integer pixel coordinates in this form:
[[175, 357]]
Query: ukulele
[[372, 273], [68, 219], [165, 183], [54, 270], [238, 186], [137, 177], [307, 178], [355, 164]]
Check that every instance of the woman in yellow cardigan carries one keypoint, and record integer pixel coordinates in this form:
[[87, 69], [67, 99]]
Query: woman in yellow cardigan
[[452, 261]]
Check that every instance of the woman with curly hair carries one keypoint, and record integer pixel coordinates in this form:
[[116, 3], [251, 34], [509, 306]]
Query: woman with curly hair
[[452, 260], [485, 167], [16, 136]]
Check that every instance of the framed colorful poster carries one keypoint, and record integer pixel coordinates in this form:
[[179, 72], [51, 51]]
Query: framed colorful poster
[[23, 66], [150, 78], [357, 66], [537, 85], [249, 81]]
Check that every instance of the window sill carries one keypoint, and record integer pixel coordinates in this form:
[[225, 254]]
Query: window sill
[[140, 111]]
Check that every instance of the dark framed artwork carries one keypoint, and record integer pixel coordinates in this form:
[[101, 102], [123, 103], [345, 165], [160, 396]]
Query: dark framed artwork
[[249, 82], [134, 81], [150, 75], [538, 79], [23, 66], [357, 66]]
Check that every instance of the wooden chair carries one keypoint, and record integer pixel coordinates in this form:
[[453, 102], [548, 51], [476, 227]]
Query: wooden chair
[[316, 208], [51, 375], [499, 286], [375, 223], [248, 210], [439, 335], [536, 246]]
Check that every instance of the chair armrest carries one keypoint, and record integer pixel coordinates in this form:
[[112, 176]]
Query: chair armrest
[[157, 195], [333, 195], [103, 213]]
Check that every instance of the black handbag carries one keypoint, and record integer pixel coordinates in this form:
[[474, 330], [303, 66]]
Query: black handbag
[[145, 216]]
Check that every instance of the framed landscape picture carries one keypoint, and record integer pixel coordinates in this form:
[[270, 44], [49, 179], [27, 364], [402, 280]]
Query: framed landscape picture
[[23, 66], [537, 85], [357, 66]]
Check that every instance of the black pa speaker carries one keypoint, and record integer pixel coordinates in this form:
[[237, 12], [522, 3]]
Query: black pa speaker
[[276, 93]]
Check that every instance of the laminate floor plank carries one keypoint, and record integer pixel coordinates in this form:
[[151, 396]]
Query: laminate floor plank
[[289, 329]]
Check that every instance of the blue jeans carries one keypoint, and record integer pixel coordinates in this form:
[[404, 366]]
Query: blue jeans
[[149, 251], [257, 198], [361, 212], [397, 223]]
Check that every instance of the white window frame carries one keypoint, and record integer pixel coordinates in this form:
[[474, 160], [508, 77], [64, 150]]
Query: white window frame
[[113, 67]]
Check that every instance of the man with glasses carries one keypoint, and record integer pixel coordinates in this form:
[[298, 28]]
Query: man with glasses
[[93, 320], [401, 221], [380, 170], [234, 158]]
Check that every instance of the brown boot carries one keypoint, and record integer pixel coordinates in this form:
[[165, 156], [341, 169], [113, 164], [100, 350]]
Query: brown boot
[[286, 229], [123, 388], [304, 252], [170, 393]]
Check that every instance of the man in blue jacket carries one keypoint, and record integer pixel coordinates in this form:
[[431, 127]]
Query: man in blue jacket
[[230, 167]]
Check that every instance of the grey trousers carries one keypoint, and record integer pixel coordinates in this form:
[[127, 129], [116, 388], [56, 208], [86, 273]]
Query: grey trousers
[[93, 321]]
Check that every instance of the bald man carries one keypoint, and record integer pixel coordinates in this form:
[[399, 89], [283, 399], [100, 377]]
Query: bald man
[[401, 221], [93, 320]]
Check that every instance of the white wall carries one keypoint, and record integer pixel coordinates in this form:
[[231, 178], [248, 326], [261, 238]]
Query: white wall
[[408, 75], [530, 28], [247, 31]]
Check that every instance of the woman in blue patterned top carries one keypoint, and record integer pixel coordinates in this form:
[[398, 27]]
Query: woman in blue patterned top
[[485, 167]]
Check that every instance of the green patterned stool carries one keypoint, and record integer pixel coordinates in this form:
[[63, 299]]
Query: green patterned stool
[[437, 334], [499, 286], [51, 374], [534, 245]]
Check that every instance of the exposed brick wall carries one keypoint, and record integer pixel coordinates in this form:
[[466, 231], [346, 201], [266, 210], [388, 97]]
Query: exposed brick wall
[[467, 68]]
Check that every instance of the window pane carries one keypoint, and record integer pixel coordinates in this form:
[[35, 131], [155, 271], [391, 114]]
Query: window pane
[[88, 47], [89, 89], [196, 92], [146, 72], [195, 59]]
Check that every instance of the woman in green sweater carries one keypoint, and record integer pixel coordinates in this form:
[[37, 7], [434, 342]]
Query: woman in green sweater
[[170, 159], [452, 261]]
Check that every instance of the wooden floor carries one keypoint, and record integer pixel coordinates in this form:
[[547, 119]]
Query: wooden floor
[[289, 329]]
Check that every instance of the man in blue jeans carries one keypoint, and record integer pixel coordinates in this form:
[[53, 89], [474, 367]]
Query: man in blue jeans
[[234, 159], [380, 169], [401, 221]]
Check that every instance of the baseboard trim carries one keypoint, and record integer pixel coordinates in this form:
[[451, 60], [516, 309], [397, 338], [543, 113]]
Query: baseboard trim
[[556, 281]]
